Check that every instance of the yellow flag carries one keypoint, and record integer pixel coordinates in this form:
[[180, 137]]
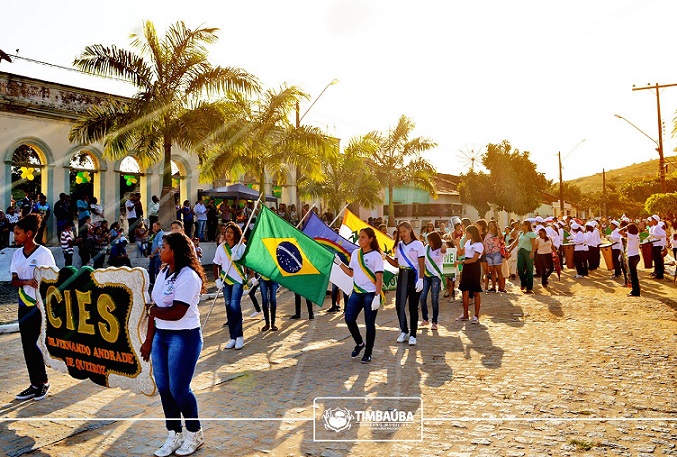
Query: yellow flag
[[352, 225]]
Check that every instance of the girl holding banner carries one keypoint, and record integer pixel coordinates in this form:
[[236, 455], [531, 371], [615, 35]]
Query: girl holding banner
[[23, 264], [232, 277], [410, 258], [174, 341], [366, 269]]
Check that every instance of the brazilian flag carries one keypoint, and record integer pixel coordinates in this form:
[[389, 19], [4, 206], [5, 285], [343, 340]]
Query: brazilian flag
[[289, 257]]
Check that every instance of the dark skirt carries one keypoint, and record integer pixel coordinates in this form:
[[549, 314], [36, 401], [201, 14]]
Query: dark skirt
[[471, 277]]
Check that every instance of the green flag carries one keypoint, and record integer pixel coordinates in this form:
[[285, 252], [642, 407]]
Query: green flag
[[284, 254]]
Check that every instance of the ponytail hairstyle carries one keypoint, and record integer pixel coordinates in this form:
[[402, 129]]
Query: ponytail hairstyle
[[29, 223], [434, 240], [373, 242]]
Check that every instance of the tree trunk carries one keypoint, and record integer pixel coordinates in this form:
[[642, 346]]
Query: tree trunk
[[167, 204], [391, 208]]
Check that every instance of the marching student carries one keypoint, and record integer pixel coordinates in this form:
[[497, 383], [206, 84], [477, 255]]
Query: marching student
[[544, 251], [410, 258], [631, 232], [616, 248], [174, 341], [471, 281], [231, 279], [580, 251], [366, 269], [23, 264], [657, 239], [593, 240], [432, 278]]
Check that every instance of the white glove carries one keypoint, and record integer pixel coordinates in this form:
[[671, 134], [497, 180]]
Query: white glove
[[419, 285], [253, 282], [376, 303], [337, 259], [219, 283]]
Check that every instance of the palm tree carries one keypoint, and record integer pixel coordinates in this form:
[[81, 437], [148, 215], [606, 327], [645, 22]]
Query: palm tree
[[396, 160], [346, 179], [263, 142], [172, 76]]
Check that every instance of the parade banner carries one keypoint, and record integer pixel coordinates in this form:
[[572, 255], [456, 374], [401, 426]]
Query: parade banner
[[93, 324], [289, 257]]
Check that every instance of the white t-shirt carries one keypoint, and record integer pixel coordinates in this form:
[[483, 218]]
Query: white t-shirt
[[221, 258], [23, 267], [131, 209], [554, 236], [633, 244], [543, 246], [184, 287], [580, 241], [200, 211], [616, 238], [472, 248], [374, 262], [414, 250], [657, 235], [673, 242], [438, 258]]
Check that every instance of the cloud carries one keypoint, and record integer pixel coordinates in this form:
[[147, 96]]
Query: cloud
[[347, 17]]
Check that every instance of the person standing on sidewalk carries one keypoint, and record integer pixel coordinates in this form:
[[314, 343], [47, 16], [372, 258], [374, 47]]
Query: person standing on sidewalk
[[200, 211], [631, 232], [526, 250], [366, 269], [471, 281], [657, 237], [155, 248], [22, 267], [153, 210], [174, 342]]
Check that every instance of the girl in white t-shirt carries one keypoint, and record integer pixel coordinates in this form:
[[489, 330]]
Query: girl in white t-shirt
[[23, 264], [366, 269], [472, 273], [232, 279], [410, 258], [432, 278], [632, 233], [174, 341]]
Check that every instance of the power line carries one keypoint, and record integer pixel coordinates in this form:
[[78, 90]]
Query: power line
[[61, 67]]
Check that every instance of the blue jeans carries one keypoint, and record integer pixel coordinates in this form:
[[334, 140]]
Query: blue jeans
[[269, 300], [201, 230], [154, 263], [174, 357], [433, 283], [233, 294], [356, 303]]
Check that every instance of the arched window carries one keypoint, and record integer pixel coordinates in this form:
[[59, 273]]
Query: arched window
[[83, 171], [130, 178], [27, 168]]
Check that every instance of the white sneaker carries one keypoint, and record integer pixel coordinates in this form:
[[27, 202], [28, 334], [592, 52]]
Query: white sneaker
[[191, 442], [578, 276], [256, 314], [172, 443], [239, 342], [403, 336], [230, 344], [412, 341]]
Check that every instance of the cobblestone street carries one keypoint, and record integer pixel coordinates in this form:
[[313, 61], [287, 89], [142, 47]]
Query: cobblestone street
[[578, 369]]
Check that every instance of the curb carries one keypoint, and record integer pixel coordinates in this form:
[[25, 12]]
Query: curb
[[9, 328]]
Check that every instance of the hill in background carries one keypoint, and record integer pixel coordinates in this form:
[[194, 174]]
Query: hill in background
[[619, 176]]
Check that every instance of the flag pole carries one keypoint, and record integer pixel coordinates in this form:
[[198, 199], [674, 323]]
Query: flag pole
[[256, 205], [339, 214], [304, 216]]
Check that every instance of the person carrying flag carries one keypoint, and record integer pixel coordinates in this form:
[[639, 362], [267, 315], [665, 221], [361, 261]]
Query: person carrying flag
[[366, 269], [231, 279], [410, 258]]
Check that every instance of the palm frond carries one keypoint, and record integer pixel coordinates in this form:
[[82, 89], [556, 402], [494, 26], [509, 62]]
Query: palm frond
[[112, 61]]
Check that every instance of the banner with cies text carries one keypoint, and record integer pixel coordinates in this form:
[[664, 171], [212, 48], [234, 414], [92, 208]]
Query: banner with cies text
[[93, 324]]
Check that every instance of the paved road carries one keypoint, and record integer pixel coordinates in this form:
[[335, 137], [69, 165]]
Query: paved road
[[577, 370]]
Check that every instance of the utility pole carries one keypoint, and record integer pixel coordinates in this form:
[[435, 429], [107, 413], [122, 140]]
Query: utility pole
[[661, 158], [606, 208], [561, 186]]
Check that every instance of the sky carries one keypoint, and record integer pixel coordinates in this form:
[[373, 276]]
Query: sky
[[546, 76]]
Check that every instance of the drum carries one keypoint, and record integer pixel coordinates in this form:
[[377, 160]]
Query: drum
[[608, 255], [568, 249]]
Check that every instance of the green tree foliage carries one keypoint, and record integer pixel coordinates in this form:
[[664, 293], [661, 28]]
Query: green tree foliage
[[346, 179], [640, 190], [173, 77], [513, 183], [396, 161], [663, 204], [477, 191], [572, 193], [260, 140]]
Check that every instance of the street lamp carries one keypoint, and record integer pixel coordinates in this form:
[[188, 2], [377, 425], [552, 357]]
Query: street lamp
[[659, 148], [299, 118], [561, 185]]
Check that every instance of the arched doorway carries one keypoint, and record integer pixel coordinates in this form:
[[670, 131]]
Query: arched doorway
[[82, 175], [178, 183], [27, 172], [130, 181]]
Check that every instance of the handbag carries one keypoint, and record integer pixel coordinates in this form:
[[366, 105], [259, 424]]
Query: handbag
[[504, 251]]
